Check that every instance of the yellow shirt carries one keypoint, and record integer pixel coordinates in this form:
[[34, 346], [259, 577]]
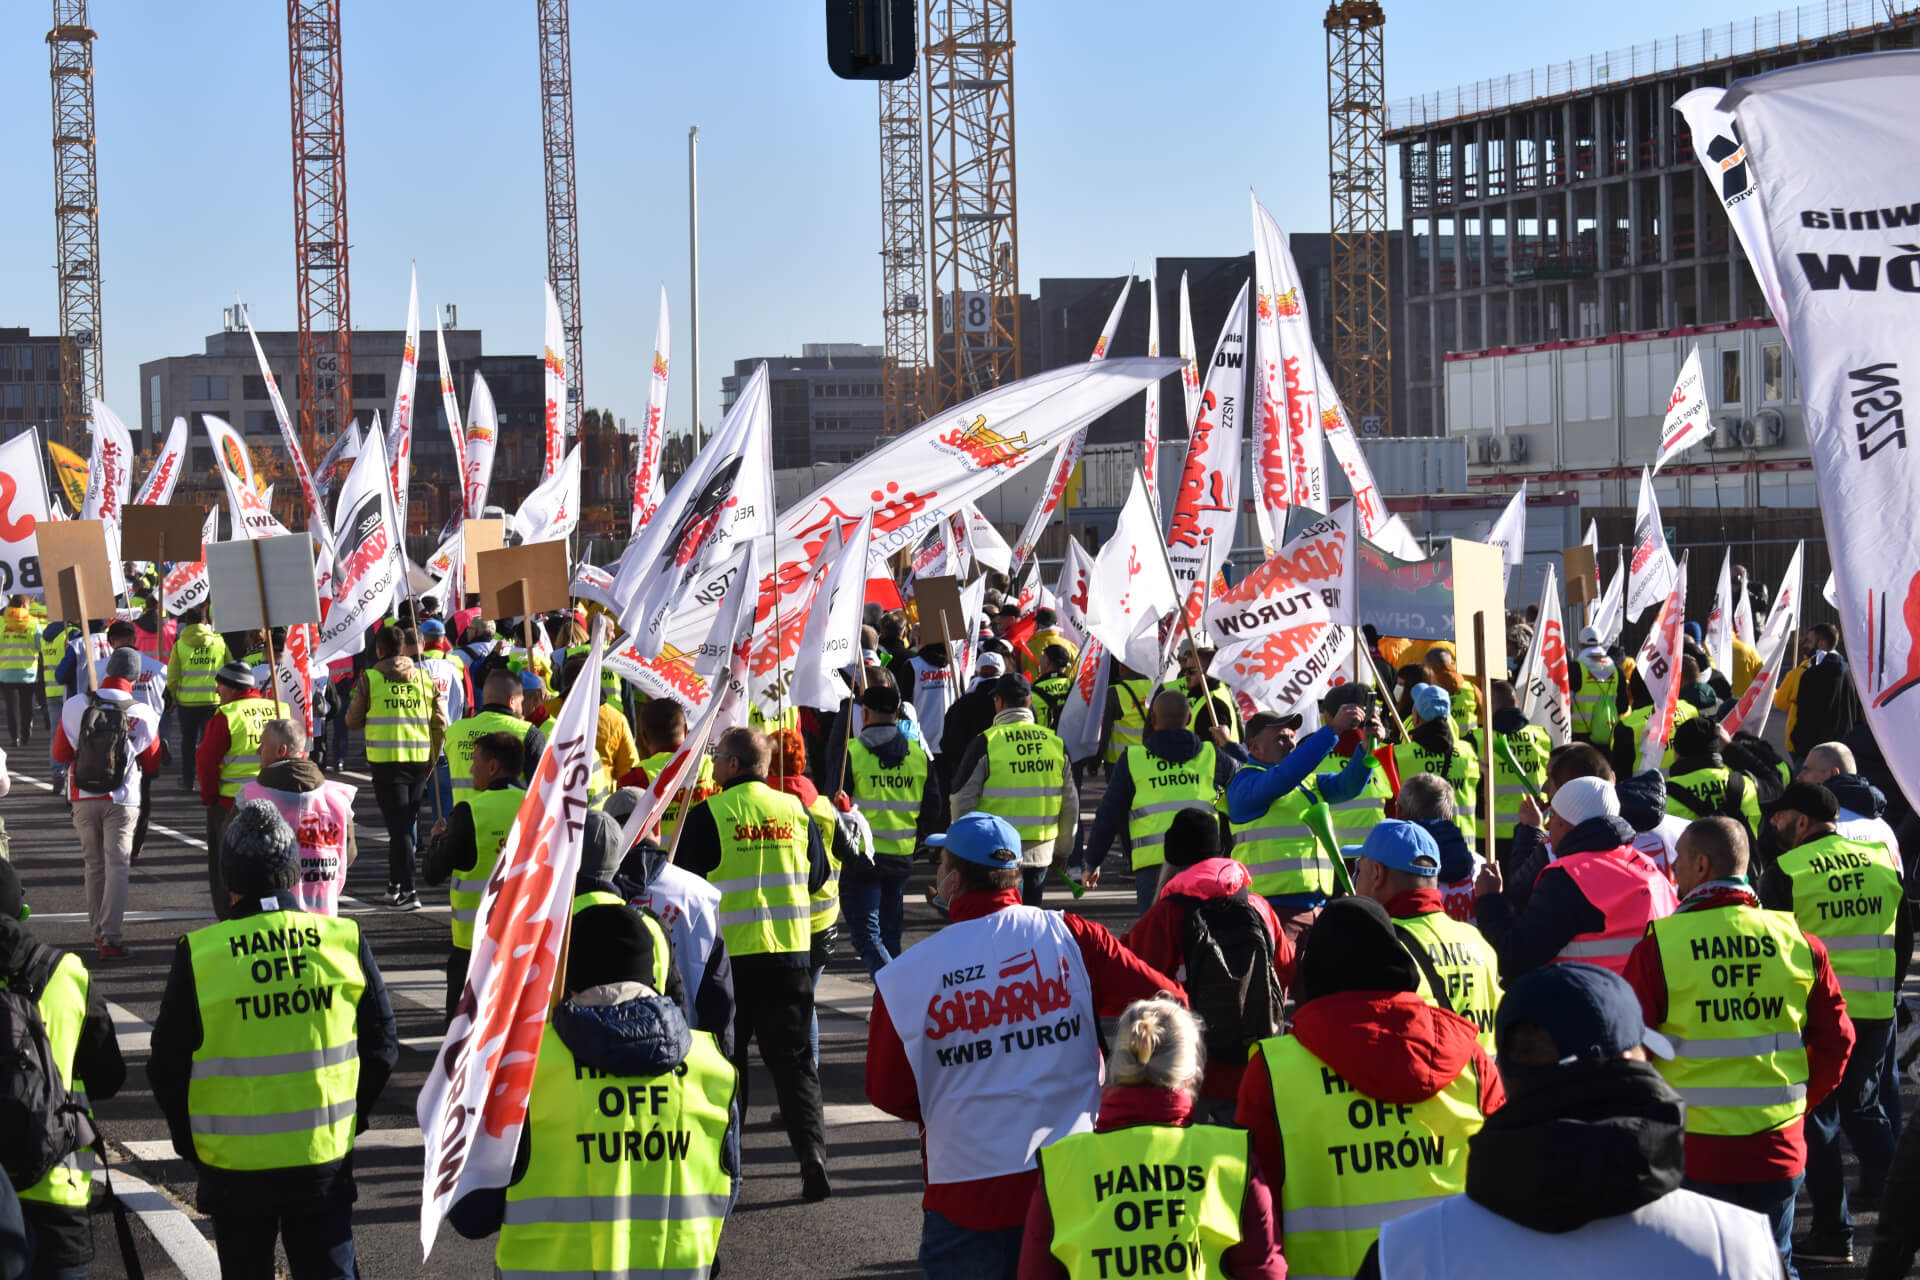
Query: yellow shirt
[[1787, 697], [1746, 667], [613, 740]]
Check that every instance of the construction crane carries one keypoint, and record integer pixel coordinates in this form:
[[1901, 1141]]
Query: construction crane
[[325, 385], [966, 52], [76, 217], [903, 249], [1356, 138], [563, 209]]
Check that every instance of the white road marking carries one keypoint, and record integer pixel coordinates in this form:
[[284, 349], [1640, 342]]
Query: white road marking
[[134, 1032], [194, 842], [131, 917], [425, 988], [182, 1234]]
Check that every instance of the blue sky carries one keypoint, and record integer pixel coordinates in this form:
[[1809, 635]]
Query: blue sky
[[1140, 126]]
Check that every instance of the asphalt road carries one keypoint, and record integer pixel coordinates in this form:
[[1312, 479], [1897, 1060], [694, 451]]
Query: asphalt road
[[870, 1228]]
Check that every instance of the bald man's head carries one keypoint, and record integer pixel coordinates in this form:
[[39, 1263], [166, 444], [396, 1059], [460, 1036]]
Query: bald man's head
[[1170, 710], [1828, 760]]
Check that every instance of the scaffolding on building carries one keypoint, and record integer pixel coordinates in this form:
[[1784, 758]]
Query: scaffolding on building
[[563, 208], [903, 250], [1357, 294]]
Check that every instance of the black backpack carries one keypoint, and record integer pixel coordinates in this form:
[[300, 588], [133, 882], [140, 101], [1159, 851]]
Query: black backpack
[[1231, 983], [41, 1122], [101, 756]]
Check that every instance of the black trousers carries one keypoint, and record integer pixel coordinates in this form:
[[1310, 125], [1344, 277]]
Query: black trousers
[[146, 813], [19, 711], [217, 816], [193, 723], [397, 789], [773, 1003], [458, 961]]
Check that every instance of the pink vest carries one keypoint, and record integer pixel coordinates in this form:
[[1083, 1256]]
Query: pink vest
[[1629, 890], [320, 821]]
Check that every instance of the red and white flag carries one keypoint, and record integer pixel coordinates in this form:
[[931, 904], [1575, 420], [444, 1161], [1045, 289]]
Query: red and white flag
[[1284, 629], [368, 562], [316, 509], [1150, 436], [1659, 666], [1377, 525], [1201, 533], [1719, 632], [1650, 578], [1743, 615], [1756, 704], [251, 516], [649, 486], [1609, 615], [1689, 417], [483, 436], [1086, 704], [400, 429], [158, 489], [293, 674], [830, 639], [1289, 457], [449, 402], [1189, 358], [1132, 590], [109, 480], [474, 1102], [555, 362], [1073, 590], [552, 510], [1546, 694]]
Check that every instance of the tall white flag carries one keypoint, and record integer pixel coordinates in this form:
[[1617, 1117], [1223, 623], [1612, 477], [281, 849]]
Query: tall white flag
[[316, 508], [1689, 417], [109, 469], [649, 485], [483, 437], [450, 403], [552, 510], [1719, 634], [1546, 694], [1293, 396], [555, 382], [1189, 357], [984, 542], [158, 489], [1717, 145], [368, 562], [1756, 704], [1073, 591], [1651, 576], [1509, 533], [1150, 437], [1086, 703], [1201, 534], [1609, 616], [400, 428], [1132, 591], [830, 640], [1659, 666], [251, 516]]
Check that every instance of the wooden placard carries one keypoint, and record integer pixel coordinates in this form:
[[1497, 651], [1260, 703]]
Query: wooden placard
[[477, 536], [276, 590], [1583, 574], [1479, 586], [75, 568], [941, 612], [542, 565], [161, 533]]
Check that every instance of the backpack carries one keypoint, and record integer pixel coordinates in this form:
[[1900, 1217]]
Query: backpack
[[41, 1122], [101, 756], [1231, 983]]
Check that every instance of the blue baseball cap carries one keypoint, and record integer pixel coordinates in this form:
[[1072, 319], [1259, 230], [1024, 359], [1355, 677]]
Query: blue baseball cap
[[983, 838], [432, 627], [1400, 846], [1590, 1012], [1431, 702]]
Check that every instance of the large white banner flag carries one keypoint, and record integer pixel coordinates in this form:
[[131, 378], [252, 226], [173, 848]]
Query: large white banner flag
[[1201, 534], [158, 489], [1756, 704], [1609, 616], [251, 516], [831, 638], [450, 403], [1068, 455], [1132, 590], [316, 509], [686, 674], [400, 428], [23, 505], [1831, 144], [1659, 666], [483, 436], [1150, 437], [368, 562], [1509, 533], [725, 497], [475, 1098], [1072, 593], [1718, 146], [1719, 633], [1651, 576], [1591, 540], [1689, 417], [1743, 615], [1546, 695], [1292, 391], [552, 510], [1189, 357], [1283, 635], [109, 469], [555, 380], [1370, 508], [984, 543], [1086, 703], [649, 485]]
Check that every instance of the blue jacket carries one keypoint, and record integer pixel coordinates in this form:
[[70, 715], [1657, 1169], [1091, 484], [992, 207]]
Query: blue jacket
[[1254, 789]]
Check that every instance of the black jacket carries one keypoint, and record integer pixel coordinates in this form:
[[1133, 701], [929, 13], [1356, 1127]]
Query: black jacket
[[1556, 911], [455, 849], [713, 1002], [700, 851], [177, 1033], [1824, 703]]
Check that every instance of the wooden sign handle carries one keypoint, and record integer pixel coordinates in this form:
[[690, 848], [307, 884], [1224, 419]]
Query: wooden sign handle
[[266, 629]]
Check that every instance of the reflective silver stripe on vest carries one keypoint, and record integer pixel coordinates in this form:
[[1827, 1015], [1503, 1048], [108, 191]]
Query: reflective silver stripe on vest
[[670, 1273], [913, 806], [1737, 1046], [1162, 806], [1860, 942], [467, 915], [1276, 865], [689, 1208], [1767, 1095], [1352, 1217], [745, 884], [1148, 842], [1021, 793], [1851, 983], [1246, 835], [797, 911], [1029, 819], [1514, 789], [463, 884], [422, 719], [1581, 950], [284, 1122], [1360, 802], [276, 1064]]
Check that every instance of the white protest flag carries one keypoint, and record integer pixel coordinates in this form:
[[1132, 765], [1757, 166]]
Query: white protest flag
[[1609, 616], [1292, 390], [368, 561], [1689, 417], [831, 637], [1719, 632], [185, 584], [251, 516], [449, 402], [966, 647], [1717, 145], [23, 505], [445, 566], [1205, 514], [725, 497], [1150, 436], [555, 364], [1743, 615], [1067, 457], [1509, 533], [316, 510], [1831, 145], [109, 470], [1756, 704], [552, 510], [483, 432], [649, 486], [1546, 694], [1830, 590], [293, 674], [1086, 704], [400, 429], [1659, 666], [1189, 357], [345, 448], [1283, 628], [1376, 525], [1651, 576], [1132, 590], [474, 1101], [988, 548], [158, 489], [1785, 614], [1073, 591], [1592, 539]]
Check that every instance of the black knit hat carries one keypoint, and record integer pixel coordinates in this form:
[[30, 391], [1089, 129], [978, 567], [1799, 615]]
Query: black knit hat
[[258, 853], [1809, 798], [1193, 837], [1352, 947], [610, 943]]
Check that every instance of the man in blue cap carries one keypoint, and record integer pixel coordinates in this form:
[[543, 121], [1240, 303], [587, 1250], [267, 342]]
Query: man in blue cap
[[1399, 868], [1434, 745], [1579, 1173], [987, 1035]]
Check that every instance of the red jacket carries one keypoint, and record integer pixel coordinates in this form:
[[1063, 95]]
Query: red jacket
[[1256, 1257], [1157, 937], [1779, 1153], [1390, 1045], [214, 741], [1118, 979]]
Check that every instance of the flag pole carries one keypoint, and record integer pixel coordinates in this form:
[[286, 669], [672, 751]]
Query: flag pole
[[1166, 558]]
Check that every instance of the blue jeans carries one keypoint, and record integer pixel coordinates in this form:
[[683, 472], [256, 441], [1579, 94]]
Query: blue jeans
[[1774, 1199], [813, 1027], [952, 1252], [1854, 1108], [873, 911], [318, 1238]]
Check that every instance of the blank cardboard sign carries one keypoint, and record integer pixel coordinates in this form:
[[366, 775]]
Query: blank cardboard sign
[[75, 569], [477, 536], [1479, 586], [543, 567], [157, 533], [1583, 575], [285, 570], [941, 612]]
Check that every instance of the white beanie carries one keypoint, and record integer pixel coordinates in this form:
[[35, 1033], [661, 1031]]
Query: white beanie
[[1582, 799]]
